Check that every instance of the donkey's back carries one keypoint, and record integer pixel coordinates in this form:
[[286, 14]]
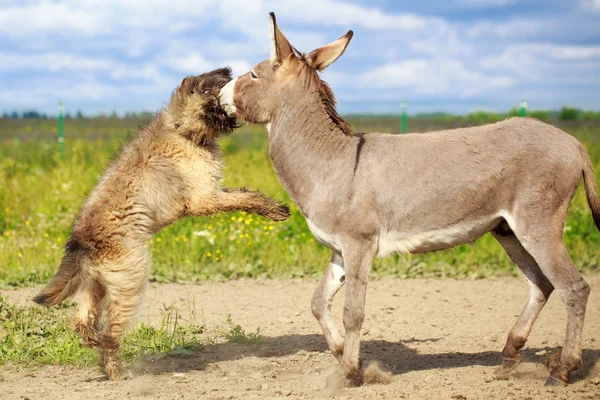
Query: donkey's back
[[442, 189]]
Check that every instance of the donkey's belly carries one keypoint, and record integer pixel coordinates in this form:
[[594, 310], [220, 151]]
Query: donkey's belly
[[430, 240], [327, 239]]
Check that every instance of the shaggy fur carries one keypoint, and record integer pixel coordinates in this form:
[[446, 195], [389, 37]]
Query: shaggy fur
[[171, 170]]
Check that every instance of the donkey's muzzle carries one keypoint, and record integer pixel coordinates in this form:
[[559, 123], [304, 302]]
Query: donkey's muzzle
[[226, 98]]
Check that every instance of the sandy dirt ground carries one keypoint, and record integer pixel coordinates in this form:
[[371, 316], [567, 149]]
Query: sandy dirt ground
[[439, 339]]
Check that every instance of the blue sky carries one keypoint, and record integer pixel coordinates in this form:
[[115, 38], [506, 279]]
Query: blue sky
[[454, 56]]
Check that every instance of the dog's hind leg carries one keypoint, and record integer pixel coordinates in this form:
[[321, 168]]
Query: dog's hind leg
[[89, 315], [125, 284]]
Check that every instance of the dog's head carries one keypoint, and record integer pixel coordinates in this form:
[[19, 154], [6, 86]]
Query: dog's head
[[195, 107]]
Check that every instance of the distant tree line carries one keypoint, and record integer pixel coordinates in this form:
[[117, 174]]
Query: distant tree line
[[564, 114], [34, 114]]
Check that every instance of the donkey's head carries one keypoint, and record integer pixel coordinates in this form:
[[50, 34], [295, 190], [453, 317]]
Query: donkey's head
[[288, 74]]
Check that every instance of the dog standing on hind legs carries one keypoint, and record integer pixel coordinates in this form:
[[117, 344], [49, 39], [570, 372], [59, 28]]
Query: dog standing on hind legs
[[171, 170]]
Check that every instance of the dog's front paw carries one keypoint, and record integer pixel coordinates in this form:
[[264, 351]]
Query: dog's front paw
[[280, 212]]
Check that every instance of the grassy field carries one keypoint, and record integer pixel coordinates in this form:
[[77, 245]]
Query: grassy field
[[40, 195], [38, 336]]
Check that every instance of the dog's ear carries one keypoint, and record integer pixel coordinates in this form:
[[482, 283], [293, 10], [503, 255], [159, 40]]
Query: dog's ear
[[182, 85], [225, 71]]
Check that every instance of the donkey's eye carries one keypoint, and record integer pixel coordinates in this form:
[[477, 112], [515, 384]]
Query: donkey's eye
[[253, 75], [206, 91]]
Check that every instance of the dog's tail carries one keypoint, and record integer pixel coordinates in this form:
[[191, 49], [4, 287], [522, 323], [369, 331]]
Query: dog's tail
[[67, 279], [589, 181]]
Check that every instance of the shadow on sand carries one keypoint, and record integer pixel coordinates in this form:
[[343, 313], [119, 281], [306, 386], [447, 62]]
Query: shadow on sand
[[397, 357]]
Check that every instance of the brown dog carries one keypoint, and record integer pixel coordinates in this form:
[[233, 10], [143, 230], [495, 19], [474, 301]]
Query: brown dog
[[171, 170]]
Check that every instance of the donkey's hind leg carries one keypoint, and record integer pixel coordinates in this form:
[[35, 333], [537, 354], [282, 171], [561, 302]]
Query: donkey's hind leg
[[539, 292], [330, 284], [549, 252], [89, 315]]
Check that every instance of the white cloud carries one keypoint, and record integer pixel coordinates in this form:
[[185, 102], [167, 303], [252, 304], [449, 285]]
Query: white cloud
[[434, 77], [593, 5], [515, 28], [446, 43], [60, 62], [489, 3], [538, 62], [189, 63], [77, 46], [52, 62], [238, 66], [30, 19], [145, 72], [337, 13], [93, 17]]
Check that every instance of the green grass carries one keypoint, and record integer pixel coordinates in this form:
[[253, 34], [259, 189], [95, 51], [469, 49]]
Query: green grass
[[37, 336], [237, 334], [40, 195]]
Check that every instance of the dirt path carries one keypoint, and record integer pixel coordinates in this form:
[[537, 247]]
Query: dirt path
[[439, 338]]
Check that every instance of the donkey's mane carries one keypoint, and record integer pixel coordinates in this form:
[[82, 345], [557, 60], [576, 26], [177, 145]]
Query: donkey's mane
[[326, 96]]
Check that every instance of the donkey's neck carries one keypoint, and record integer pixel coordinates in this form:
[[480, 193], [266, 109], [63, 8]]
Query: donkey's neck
[[305, 143]]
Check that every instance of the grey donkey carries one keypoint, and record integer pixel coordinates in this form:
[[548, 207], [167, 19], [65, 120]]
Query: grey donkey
[[366, 195]]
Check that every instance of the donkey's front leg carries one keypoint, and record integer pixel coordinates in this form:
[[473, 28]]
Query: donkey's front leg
[[330, 284], [357, 263]]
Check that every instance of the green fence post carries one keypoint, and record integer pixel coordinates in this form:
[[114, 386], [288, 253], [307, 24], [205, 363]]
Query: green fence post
[[403, 117], [523, 108], [61, 133]]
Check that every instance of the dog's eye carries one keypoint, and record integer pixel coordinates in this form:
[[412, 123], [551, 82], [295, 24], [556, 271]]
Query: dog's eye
[[206, 91], [253, 75]]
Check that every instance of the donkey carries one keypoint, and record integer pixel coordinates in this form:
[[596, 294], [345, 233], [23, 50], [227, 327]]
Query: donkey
[[372, 194]]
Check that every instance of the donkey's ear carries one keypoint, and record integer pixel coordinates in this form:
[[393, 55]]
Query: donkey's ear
[[281, 48], [322, 57]]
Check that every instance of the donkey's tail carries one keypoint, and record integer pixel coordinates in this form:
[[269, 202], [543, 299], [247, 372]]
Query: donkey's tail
[[67, 279], [589, 180]]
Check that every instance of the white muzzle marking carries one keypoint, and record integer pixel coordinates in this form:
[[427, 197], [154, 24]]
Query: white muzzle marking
[[226, 98]]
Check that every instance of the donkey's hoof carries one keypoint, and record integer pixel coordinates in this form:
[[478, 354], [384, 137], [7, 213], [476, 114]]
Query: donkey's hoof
[[552, 381], [354, 379]]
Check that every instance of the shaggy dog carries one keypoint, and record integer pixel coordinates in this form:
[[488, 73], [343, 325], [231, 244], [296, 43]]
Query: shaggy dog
[[171, 170]]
